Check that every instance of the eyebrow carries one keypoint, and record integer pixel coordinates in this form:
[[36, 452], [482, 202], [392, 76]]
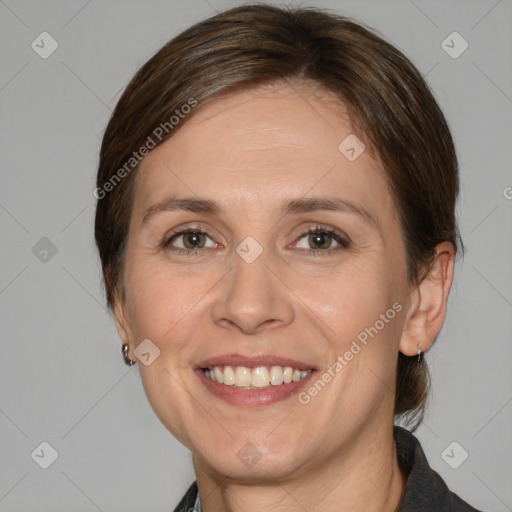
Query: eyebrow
[[295, 206]]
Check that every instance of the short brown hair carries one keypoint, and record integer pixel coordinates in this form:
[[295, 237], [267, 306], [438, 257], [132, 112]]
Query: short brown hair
[[390, 105]]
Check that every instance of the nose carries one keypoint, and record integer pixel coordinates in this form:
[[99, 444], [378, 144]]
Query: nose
[[254, 298]]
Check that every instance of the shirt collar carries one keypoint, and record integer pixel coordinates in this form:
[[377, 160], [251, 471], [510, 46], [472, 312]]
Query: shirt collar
[[197, 504]]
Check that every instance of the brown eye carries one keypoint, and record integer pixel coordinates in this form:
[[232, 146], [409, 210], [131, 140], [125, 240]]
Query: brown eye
[[320, 241], [193, 240], [189, 240]]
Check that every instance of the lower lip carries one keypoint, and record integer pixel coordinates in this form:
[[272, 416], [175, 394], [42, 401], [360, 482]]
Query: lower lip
[[253, 397]]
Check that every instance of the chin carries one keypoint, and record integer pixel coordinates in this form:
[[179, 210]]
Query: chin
[[250, 465]]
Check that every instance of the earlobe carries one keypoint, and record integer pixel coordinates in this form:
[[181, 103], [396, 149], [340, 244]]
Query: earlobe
[[428, 303]]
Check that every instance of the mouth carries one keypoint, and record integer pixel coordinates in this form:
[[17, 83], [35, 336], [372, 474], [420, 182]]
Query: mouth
[[253, 382]]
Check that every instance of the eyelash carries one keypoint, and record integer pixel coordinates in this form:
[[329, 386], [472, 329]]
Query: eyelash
[[342, 240]]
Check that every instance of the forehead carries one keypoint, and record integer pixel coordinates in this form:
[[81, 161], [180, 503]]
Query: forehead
[[266, 123], [262, 144]]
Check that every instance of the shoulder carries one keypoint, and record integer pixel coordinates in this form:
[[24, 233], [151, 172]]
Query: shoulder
[[424, 489]]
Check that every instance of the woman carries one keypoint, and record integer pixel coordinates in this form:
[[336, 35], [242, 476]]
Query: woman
[[275, 221]]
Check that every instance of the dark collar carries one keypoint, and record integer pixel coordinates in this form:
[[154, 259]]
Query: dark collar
[[425, 490]]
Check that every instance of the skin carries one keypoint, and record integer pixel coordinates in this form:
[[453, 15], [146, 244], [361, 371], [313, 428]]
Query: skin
[[250, 152]]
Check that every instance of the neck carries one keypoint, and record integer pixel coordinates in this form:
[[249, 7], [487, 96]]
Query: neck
[[366, 477]]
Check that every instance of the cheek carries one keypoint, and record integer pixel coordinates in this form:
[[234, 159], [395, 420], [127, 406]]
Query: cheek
[[165, 301], [361, 307], [350, 298]]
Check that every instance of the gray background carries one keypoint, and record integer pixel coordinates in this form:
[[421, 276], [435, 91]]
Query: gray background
[[62, 377]]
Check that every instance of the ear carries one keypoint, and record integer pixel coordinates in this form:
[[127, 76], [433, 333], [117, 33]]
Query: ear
[[427, 305], [122, 324]]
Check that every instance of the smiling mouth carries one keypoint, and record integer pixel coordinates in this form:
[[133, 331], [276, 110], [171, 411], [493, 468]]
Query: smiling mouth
[[253, 381], [259, 377]]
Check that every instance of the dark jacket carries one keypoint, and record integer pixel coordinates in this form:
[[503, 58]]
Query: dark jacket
[[425, 490]]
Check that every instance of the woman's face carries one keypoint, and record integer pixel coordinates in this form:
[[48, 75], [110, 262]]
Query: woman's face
[[252, 289]]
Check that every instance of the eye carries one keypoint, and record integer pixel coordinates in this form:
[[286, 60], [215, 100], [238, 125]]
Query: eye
[[321, 239], [189, 240]]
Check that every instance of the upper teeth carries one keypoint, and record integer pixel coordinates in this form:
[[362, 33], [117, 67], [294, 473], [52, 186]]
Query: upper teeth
[[259, 377]]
